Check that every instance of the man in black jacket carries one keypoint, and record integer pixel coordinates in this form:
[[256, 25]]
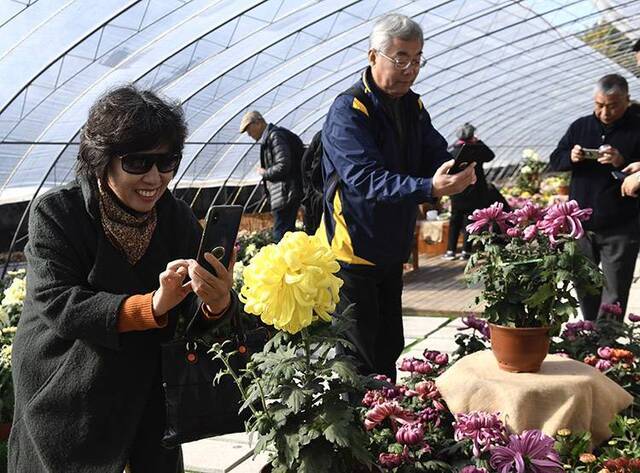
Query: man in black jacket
[[612, 238], [280, 154]]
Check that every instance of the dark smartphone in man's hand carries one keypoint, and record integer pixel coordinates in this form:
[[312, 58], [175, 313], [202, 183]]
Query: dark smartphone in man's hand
[[619, 175], [470, 153], [219, 236]]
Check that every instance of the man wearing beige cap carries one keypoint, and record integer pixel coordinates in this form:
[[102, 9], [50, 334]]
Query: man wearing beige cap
[[280, 154]]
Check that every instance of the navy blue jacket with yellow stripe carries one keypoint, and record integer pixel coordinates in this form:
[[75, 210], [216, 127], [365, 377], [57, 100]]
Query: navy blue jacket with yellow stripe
[[371, 192]]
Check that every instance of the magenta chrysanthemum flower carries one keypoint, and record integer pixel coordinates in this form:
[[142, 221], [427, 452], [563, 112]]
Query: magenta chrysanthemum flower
[[530, 452], [410, 434], [529, 214], [390, 460], [564, 219], [611, 309], [530, 232], [482, 428], [605, 352], [472, 469], [414, 365], [634, 317], [493, 215]]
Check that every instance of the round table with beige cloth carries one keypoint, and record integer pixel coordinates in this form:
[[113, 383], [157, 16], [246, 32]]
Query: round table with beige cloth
[[564, 394]]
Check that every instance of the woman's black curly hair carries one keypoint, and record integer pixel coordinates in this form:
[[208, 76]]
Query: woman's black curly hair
[[126, 120]]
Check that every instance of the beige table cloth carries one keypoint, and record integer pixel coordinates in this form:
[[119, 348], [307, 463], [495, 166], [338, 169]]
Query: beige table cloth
[[564, 394]]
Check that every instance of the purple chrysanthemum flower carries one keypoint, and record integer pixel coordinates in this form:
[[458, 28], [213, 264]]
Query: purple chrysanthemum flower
[[530, 452], [634, 317], [493, 215], [482, 428], [473, 322], [573, 330], [564, 219], [429, 415]]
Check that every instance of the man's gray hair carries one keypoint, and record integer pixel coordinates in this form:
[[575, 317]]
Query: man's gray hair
[[392, 26], [612, 84], [465, 131]]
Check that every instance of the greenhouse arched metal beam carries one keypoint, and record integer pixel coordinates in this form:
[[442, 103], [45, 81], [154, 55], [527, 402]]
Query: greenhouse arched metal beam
[[17, 73]]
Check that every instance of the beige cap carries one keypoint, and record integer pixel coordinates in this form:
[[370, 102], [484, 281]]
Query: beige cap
[[249, 118]]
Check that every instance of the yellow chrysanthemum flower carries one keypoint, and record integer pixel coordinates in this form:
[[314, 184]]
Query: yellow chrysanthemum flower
[[291, 284]]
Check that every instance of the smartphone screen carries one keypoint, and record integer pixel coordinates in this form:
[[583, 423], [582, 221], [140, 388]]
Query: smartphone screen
[[220, 231]]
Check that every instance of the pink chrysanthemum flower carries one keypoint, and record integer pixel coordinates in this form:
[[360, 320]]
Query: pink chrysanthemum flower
[[564, 219], [530, 452], [529, 214], [482, 428], [493, 215], [391, 410]]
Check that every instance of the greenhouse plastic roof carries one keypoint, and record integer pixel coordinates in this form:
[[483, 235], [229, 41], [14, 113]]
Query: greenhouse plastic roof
[[520, 71]]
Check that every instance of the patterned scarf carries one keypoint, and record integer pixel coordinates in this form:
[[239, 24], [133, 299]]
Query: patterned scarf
[[128, 232]]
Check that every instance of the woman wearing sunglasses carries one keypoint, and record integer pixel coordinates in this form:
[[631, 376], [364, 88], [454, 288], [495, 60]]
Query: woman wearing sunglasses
[[108, 259]]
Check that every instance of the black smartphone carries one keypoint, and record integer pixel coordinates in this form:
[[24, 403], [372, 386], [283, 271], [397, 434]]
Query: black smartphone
[[619, 175], [470, 153], [219, 236]]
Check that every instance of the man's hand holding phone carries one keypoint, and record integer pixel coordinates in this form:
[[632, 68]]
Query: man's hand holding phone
[[610, 155], [444, 183]]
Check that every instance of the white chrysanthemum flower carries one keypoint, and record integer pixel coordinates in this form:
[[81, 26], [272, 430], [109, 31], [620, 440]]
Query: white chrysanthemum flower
[[15, 293]]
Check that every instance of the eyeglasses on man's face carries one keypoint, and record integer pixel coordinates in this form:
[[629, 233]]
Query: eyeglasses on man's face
[[404, 64]]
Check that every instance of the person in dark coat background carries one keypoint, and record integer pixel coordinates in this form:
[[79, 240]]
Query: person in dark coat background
[[107, 260], [280, 155], [612, 236], [476, 196]]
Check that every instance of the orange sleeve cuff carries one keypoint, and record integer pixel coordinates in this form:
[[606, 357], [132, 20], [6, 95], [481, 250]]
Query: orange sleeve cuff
[[136, 314]]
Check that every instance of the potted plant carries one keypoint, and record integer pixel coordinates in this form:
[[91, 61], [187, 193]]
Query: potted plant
[[298, 388], [529, 265], [11, 302]]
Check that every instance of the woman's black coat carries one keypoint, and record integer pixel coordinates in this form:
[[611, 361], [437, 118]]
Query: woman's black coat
[[81, 387]]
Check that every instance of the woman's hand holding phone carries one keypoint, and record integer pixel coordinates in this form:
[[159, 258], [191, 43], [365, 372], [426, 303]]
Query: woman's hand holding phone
[[213, 289], [173, 288]]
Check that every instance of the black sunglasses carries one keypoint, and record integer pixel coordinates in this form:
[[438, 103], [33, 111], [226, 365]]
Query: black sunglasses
[[141, 163]]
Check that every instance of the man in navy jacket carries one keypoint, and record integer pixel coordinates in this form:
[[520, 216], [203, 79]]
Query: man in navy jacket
[[382, 157], [612, 238]]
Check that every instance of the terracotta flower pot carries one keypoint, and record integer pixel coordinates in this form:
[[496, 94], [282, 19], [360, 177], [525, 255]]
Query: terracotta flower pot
[[519, 350]]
